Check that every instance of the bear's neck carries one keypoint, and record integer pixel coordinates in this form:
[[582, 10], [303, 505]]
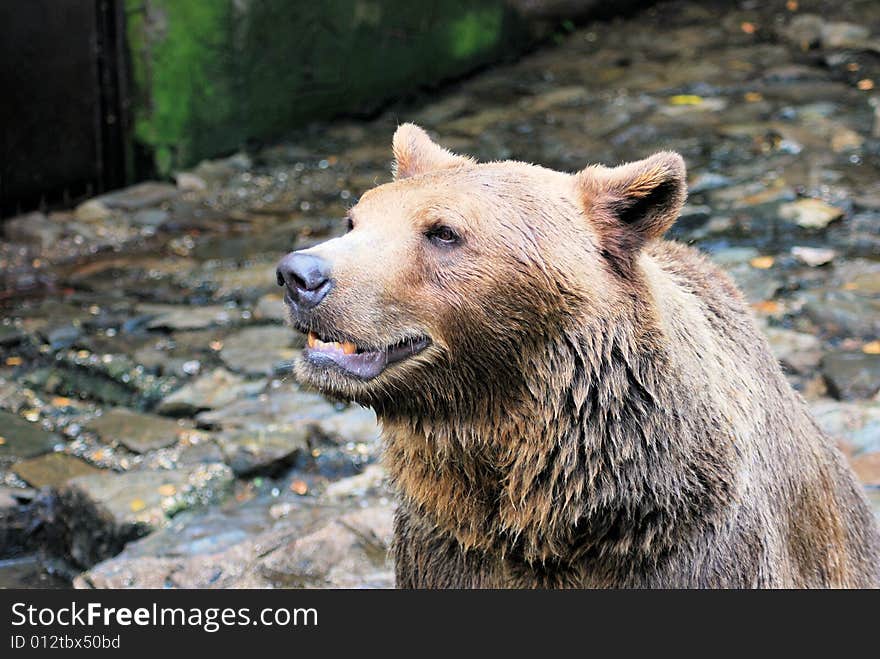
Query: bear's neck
[[575, 460]]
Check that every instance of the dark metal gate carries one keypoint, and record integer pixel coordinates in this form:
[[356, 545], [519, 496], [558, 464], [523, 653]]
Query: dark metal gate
[[64, 120]]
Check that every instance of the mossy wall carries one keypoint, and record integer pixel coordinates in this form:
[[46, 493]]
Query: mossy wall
[[210, 75]]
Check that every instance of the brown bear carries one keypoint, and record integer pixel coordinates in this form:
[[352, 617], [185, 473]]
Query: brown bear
[[566, 399]]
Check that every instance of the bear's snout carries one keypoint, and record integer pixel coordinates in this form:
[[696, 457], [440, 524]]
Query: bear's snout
[[306, 278]]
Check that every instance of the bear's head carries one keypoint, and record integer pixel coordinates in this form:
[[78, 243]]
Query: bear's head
[[454, 277]]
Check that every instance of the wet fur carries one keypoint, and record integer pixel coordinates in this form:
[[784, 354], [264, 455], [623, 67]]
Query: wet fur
[[675, 456], [598, 408]]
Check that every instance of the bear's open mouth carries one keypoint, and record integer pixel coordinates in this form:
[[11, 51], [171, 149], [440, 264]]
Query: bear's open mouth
[[357, 361]]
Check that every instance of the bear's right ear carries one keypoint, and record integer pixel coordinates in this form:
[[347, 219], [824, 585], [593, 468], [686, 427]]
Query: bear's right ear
[[634, 203], [415, 153]]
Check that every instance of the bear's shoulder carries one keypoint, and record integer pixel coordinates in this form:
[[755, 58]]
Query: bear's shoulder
[[693, 269]]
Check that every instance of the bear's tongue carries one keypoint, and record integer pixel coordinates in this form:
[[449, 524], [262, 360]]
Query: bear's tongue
[[364, 365]]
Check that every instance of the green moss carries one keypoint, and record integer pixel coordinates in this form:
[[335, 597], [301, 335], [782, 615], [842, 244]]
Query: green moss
[[211, 75], [476, 32]]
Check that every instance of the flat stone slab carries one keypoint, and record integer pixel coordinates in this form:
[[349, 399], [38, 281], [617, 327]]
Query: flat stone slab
[[856, 423], [757, 285], [211, 391], [174, 317], [95, 516], [251, 281], [270, 307], [142, 195], [275, 409], [851, 375], [353, 424], [52, 470], [248, 451], [844, 313], [8, 497], [810, 213], [797, 351], [342, 550], [138, 432], [259, 350], [22, 439]]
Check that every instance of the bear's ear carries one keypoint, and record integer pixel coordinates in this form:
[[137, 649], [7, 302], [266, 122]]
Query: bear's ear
[[415, 153], [634, 203]]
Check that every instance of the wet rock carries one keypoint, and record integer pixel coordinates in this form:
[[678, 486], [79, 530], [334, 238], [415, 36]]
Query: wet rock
[[32, 229], [561, 96], [112, 379], [260, 350], [188, 182], [845, 139], [61, 338], [371, 480], [804, 31], [203, 452], [275, 410], [216, 173], [140, 196], [138, 432], [249, 451], [733, 256], [184, 353], [218, 547], [857, 424], [443, 110], [13, 398], [10, 335], [93, 517], [167, 316], [851, 375], [860, 277], [52, 470], [705, 181], [874, 499], [477, 123], [813, 256], [29, 572], [692, 217], [756, 284], [270, 307], [150, 217], [810, 213], [843, 313], [213, 530], [843, 35], [796, 351], [92, 212], [213, 390], [351, 551], [867, 468], [7, 500], [354, 424], [249, 281], [23, 439]]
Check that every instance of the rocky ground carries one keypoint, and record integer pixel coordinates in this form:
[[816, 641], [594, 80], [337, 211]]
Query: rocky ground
[[150, 431]]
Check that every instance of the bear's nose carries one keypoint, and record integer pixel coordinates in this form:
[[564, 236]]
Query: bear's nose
[[306, 276]]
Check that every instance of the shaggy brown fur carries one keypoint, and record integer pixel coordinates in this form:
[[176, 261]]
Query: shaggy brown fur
[[596, 406]]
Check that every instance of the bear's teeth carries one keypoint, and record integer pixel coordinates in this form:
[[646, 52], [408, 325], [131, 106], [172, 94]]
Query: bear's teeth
[[347, 347]]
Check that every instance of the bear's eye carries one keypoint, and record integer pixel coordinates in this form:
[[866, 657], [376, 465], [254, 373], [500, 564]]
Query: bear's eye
[[349, 224], [442, 235]]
